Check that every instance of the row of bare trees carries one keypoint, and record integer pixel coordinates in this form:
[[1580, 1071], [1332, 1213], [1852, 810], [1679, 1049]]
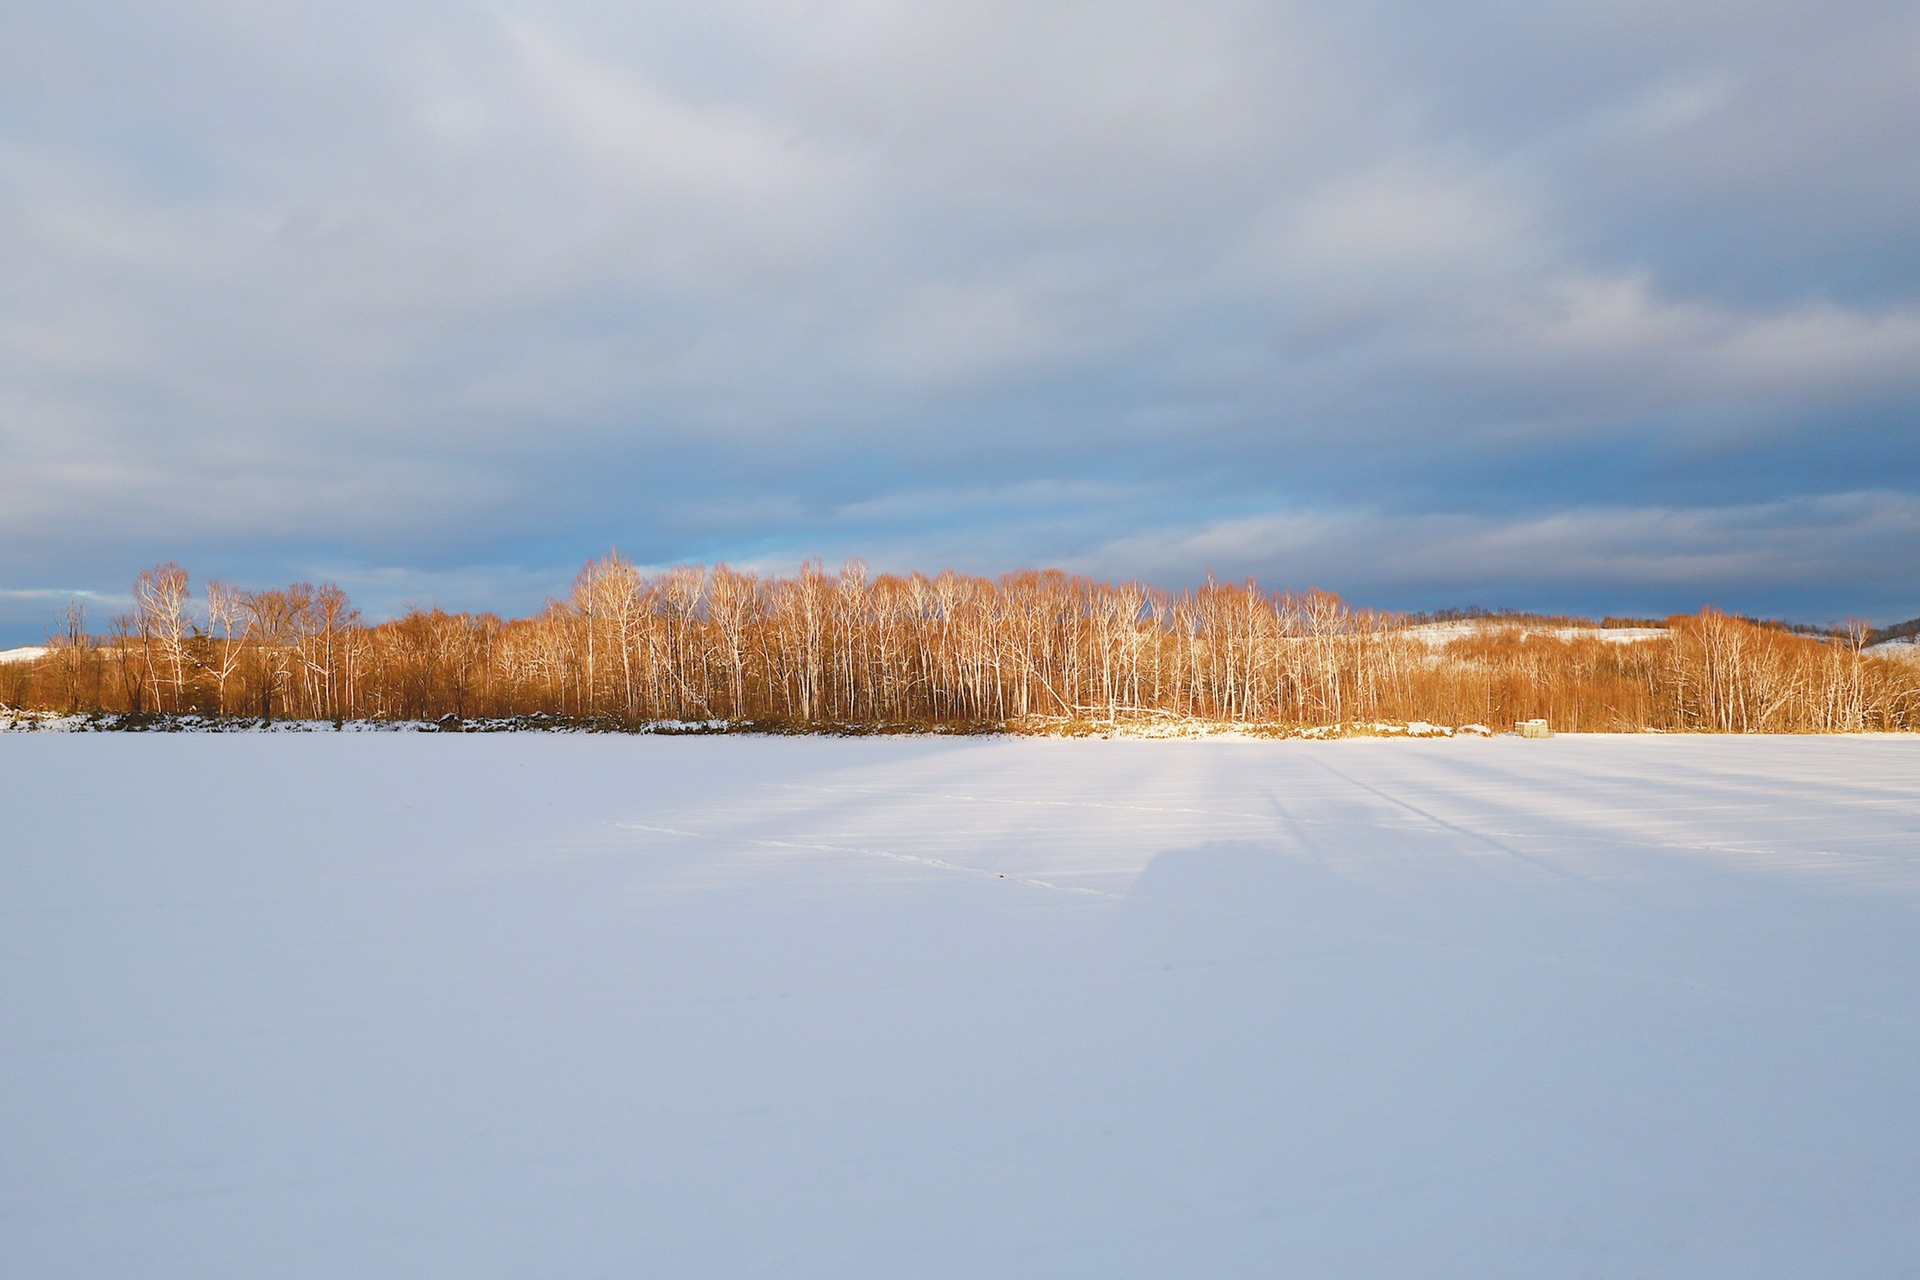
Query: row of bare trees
[[826, 649], [285, 652]]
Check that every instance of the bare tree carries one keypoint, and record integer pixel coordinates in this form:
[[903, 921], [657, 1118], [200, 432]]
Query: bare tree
[[76, 660], [160, 619], [274, 619], [132, 660], [229, 624]]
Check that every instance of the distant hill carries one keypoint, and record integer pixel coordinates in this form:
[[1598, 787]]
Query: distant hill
[[1908, 631]]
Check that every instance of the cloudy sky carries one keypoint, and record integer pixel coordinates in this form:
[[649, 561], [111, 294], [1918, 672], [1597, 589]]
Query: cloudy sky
[[1606, 306]]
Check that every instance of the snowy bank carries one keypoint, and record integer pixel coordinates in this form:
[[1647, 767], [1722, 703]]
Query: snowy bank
[[1160, 727]]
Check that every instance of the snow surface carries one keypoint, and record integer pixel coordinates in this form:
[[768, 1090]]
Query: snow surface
[[28, 654], [1439, 634], [533, 1005], [1907, 647]]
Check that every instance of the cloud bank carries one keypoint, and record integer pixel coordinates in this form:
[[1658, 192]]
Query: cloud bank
[[1612, 307]]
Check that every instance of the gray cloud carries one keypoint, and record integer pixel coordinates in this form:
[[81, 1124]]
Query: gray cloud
[[1609, 304], [1641, 560]]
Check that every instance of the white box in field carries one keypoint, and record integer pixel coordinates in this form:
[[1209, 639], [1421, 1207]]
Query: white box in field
[[1534, 729]]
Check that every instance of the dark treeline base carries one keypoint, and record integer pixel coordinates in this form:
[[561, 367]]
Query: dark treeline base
[[102, 721], [844, 652]]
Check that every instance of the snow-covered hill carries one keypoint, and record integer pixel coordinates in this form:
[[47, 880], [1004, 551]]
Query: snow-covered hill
[[1436, 634]]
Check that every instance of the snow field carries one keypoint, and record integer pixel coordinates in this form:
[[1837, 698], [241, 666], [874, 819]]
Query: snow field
[[537, 1005]]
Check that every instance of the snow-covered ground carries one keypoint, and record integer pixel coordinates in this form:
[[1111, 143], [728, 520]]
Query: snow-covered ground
[[551, 1006], [27, 654], [1439, 634]]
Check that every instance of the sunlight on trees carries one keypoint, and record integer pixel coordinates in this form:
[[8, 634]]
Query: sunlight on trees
[[1038, 650]]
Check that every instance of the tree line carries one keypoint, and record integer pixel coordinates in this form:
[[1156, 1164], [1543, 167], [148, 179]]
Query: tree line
[[845, 649]]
